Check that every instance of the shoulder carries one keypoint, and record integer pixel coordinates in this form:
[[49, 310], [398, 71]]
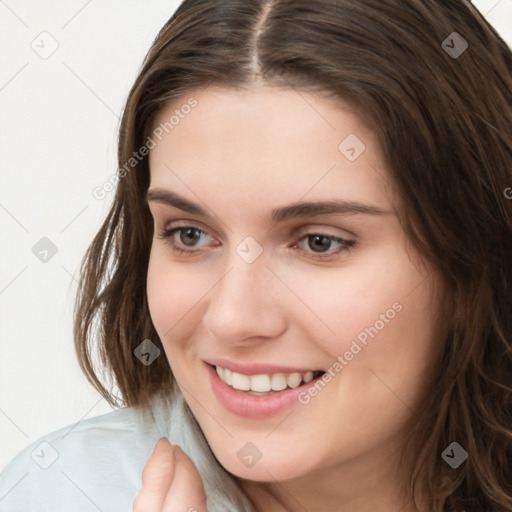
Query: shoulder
[[93, 464]]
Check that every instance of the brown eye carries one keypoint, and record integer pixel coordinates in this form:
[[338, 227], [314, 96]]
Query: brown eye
[[189, 236], [319, 243], [323, 246], [186, 239]]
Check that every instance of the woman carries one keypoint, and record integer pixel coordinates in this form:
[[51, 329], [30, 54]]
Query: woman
[[304, 282]]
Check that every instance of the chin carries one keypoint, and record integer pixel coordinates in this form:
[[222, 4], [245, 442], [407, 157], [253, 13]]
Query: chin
[[276, 468]]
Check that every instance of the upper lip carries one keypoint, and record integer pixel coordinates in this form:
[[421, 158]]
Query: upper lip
[[256, 368]]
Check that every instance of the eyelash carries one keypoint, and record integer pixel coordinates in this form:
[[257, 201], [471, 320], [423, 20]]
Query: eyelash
[[346, 245]]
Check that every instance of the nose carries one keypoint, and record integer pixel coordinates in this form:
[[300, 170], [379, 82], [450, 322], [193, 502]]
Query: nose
[[244, 307]]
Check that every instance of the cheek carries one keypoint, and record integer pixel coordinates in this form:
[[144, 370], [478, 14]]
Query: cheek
[[364, 301], [380, 318], [407, 352], [174, 294]]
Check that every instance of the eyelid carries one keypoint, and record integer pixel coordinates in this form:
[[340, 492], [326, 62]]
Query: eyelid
[[314, 229], [167, 226]]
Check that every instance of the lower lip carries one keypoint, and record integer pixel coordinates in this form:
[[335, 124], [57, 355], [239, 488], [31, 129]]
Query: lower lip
[[251, 406]]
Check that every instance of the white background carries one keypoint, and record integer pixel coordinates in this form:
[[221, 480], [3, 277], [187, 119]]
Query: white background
[[58, 130]]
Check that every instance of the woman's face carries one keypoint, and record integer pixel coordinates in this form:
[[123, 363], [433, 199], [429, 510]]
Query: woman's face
[[293, 263]]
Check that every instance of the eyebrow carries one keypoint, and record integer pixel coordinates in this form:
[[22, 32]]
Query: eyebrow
[[303, 209]]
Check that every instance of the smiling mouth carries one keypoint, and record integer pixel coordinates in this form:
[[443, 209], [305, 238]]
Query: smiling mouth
[[265, 384]]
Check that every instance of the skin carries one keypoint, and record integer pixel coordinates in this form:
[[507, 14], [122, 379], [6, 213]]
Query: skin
[[239, 154]]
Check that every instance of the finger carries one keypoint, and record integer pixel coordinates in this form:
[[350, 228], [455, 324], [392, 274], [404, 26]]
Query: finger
[[187, 491], [157, 478]]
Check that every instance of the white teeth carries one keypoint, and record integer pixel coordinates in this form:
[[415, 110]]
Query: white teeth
[[260, 383], [279, 381], [264, 383], [293, 380], [241, 382]]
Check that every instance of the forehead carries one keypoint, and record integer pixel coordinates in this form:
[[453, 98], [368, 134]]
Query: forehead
[[265, 142]]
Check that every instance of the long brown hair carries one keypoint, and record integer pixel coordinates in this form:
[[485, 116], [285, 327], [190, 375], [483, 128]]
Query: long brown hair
[[434, 81]]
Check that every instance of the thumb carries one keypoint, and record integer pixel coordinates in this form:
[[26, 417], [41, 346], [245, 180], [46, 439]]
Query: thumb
[[157, 477], [186, 492]]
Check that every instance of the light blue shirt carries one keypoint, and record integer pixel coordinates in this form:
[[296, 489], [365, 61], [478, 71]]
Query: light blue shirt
[[96, 464]]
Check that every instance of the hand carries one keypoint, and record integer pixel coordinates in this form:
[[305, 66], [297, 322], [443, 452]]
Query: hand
[[170, 482]]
